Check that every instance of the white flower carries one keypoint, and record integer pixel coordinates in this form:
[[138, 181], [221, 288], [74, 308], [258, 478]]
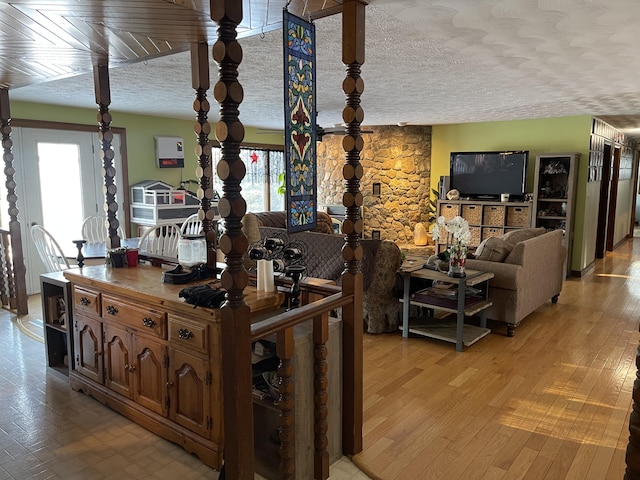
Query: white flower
[[457, 227]]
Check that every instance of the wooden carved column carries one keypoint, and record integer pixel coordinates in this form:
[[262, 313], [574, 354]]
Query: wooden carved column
[[235, 314], [633, 447], [103, 99], [353, 15], [200, 83], [18, 285]]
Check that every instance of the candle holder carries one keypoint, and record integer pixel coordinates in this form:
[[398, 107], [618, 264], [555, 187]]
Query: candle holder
[[80, 257]]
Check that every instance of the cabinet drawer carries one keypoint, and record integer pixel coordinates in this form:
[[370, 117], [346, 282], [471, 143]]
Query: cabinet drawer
[[143, 319], [86, 301], [189, 334]]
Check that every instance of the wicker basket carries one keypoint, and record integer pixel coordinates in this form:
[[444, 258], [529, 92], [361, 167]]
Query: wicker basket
[[472, 214], [492, 232], [518, 216], [475, 236], [449, 210], [493, 215]]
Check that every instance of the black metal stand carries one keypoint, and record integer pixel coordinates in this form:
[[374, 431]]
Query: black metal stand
[[295, 272]]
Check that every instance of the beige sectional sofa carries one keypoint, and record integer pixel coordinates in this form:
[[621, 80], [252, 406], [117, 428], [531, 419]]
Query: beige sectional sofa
[[381, 260], [529, 269]]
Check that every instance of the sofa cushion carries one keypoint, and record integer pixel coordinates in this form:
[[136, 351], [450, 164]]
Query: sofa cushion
[[493, 249], [279, 220], [517, 236]]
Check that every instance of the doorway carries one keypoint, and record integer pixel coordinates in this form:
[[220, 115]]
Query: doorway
[[59, 183], [604, 207]]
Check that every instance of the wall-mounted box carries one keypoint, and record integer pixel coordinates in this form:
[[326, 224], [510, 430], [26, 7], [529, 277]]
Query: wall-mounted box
[[170, 152]]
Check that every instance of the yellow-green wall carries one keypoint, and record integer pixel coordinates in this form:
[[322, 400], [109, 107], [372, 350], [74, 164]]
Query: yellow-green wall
[[141, 130], [550, 135]]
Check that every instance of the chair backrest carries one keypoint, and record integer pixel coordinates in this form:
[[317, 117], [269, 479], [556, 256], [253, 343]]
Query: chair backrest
[[94, 229], [191, 226], [161, 239], [49, 250]]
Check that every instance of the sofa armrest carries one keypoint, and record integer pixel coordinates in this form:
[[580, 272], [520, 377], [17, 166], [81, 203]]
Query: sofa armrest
[[506, 275]]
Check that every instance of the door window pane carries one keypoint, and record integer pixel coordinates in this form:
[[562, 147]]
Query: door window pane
[[61, 192]]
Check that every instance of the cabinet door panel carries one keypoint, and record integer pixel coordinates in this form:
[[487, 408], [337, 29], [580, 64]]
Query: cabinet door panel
[[189, 392], [87, 337], [117, 353], [150, 375]]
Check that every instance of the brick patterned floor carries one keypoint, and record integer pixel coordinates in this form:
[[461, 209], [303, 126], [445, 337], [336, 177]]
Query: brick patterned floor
[[48, 431]]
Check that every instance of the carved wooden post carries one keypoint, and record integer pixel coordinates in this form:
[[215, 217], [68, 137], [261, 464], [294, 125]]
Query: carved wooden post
[[633, 447], [19, 284], [285, 349], [235, 314], [202, 128], [320, 396], [353, 15], [103, 99]]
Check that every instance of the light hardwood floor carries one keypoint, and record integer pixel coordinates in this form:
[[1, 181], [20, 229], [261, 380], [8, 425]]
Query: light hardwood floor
[[551, 403]]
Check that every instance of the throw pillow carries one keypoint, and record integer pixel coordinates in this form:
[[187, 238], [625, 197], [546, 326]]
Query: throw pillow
[[517, 236], [495, 249]]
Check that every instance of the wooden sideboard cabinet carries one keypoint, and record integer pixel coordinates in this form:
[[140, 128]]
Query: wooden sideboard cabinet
[[139, 349], [486, 219]]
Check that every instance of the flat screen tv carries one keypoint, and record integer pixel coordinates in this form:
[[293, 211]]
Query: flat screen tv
[[486, 175]]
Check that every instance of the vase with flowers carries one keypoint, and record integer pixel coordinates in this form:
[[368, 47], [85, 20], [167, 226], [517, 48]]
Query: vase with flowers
[[457, 233]]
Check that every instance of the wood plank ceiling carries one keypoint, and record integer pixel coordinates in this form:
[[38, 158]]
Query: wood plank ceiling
[[42, 40]]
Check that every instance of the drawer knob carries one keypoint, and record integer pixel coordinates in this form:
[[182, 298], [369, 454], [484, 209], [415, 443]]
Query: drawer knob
[[84, 301], [111, 310], [149, 322], [185, 334]]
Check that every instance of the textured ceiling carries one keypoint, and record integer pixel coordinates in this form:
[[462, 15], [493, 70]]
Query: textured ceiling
[[427, 62]]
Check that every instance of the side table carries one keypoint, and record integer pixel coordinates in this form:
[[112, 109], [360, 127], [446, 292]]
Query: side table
[[462, 335]]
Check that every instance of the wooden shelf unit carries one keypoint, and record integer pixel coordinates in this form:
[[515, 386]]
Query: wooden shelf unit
[[554, 190], [55, 294], [486, 218]]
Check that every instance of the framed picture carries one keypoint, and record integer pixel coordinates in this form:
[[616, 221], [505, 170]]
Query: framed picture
[[376, 189], [375, 234]]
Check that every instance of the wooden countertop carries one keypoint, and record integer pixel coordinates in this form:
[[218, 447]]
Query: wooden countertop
[[144, 283]]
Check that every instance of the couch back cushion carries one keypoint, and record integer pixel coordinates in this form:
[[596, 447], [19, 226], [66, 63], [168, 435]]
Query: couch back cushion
[[279, 220], [493, 249], [516, 236], [322, 252]]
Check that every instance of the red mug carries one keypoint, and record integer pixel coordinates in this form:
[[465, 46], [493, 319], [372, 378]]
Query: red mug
[[132, 257]]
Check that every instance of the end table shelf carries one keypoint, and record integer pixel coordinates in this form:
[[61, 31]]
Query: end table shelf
[[457, 302], [446, 329]]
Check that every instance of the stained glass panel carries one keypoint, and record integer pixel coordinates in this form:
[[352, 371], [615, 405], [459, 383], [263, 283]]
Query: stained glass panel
[[300, 123]]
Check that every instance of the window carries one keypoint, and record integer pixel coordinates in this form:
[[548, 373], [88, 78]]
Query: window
[[265, 168]]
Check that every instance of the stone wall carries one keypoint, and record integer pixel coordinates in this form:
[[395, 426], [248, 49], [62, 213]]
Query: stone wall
[[399, 158]]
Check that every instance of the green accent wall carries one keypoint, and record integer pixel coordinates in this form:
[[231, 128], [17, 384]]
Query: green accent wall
[[538, 136], [141, 129]]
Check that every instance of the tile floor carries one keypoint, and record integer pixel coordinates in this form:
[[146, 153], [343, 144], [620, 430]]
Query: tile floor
[[48, 431]]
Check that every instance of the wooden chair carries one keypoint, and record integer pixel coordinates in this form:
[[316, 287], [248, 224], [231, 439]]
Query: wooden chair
[[191, 226], [160, 240], [49, 250], [94, 229]]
